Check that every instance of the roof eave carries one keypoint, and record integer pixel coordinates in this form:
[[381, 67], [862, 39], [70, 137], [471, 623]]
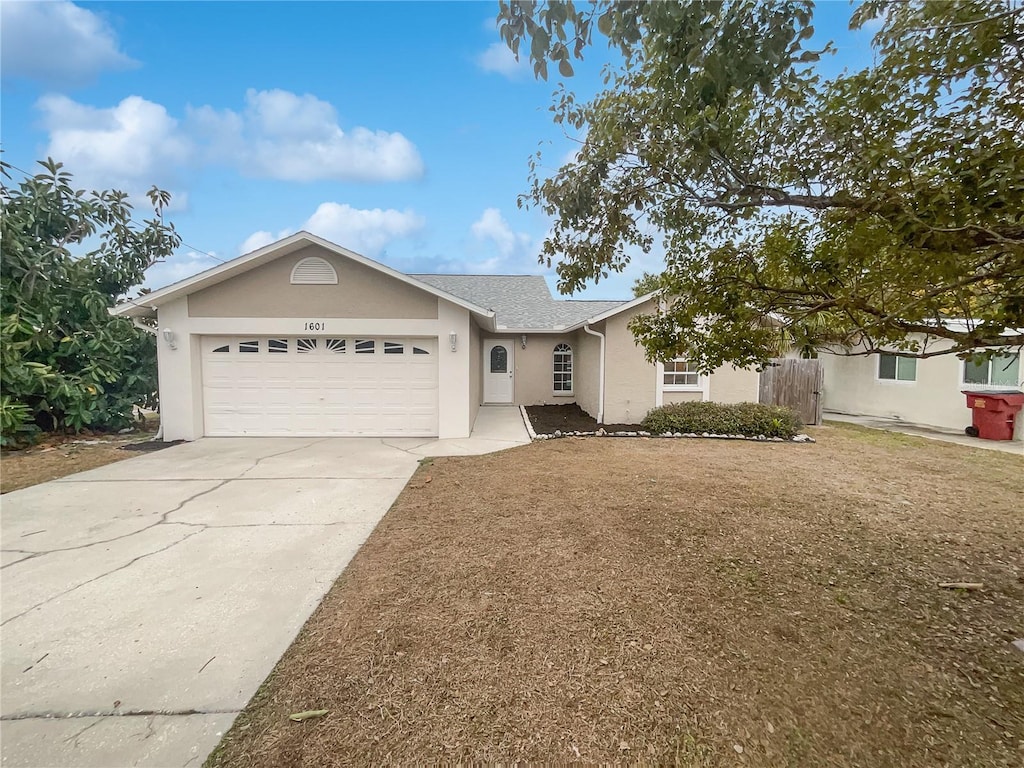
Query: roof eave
[[613, 311], [267, 253]]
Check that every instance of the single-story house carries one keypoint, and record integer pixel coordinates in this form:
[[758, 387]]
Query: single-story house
[[306, 338], [926, 391]]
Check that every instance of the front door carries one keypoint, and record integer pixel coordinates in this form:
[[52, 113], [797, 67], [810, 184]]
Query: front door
[[498, 370]]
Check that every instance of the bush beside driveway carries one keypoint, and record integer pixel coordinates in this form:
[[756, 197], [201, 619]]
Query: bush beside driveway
[[698, 602]]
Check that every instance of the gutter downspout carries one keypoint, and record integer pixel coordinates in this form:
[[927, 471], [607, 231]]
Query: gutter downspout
[[152, 331], [600, 381]]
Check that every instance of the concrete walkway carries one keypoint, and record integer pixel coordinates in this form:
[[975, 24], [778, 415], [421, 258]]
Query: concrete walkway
[[143, 603], [931, 433], [497, 427]]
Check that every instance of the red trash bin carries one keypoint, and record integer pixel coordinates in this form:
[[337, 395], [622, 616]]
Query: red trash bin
[[994, 412]]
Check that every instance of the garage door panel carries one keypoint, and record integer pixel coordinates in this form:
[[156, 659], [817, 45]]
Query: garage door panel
[[316, 389]]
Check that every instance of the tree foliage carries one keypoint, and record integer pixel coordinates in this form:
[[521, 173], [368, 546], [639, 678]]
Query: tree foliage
[[853, 210], [68, 257], [646, 283]]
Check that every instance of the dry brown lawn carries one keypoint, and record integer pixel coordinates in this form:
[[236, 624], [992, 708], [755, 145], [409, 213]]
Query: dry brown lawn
[[671, 601]]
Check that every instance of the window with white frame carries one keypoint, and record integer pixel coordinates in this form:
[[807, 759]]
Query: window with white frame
[[893, 367], [680, 374], [562, 369], [1002, 370]]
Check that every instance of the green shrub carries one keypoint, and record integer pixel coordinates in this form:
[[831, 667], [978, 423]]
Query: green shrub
[[66, 363], [16, 427], [748, 419]]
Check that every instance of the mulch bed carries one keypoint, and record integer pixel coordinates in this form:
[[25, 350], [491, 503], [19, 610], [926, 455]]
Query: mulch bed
[[548, 419], [704, 603]]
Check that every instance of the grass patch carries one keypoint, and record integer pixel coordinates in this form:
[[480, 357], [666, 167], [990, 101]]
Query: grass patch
[[874, 436]]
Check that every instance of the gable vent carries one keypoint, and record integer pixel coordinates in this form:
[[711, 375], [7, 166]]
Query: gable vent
[[314, 271]]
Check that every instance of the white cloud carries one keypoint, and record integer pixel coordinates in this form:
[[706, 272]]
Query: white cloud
[[493, 228], [257, 240], [178, 267], [57, 43], [499, 58], [365, 231], [130, 146], [282, 135]]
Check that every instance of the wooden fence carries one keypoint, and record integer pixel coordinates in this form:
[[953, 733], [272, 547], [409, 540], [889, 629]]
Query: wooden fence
[[796, 384]]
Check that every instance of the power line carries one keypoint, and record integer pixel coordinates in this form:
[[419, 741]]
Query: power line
[[133, 220]]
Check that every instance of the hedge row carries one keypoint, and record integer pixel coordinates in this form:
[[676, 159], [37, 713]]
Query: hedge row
[[747, 419]]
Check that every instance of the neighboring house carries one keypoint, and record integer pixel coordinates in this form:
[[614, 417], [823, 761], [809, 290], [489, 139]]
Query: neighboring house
[[925, 391], [306, 338]]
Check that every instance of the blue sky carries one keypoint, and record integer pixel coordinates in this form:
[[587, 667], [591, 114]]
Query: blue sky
[[399, 130]]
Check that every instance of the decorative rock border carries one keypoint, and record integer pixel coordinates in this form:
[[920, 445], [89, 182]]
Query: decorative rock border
[[801, 438]]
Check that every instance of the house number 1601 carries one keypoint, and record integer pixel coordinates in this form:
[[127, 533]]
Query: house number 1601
[[316, 326]]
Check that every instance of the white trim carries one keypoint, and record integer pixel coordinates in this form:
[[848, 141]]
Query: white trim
[[613, 311], [526, 421], [698, 387], [572, 370], [334, 326], [894, 381], [1018, 385], [703, 384], [600, 373], [270, 252]]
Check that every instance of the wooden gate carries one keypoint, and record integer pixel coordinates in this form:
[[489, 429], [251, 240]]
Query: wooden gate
[[796, 384]]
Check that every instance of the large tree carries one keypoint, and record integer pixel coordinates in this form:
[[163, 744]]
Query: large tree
[[68, 256], [857, 210]]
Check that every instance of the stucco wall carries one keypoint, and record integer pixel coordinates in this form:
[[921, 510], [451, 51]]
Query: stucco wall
[[729, 384], [180, 369], [266, 291], [630, 380], [533, 382], [935, 398], [682, 397], [179, 373], [586, 377], [476, 372]]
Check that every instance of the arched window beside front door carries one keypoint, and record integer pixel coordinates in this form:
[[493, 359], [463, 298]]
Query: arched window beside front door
[[562, 369]]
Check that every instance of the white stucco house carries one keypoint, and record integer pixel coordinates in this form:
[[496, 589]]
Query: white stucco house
[[926, 392], [304, 337]]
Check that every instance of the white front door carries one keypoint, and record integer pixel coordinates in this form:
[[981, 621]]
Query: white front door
[[498, 368]]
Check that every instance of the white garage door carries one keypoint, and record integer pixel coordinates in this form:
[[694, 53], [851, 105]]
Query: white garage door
[[319, 386]]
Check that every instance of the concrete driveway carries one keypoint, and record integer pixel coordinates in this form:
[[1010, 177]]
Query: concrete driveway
[[143, 603]]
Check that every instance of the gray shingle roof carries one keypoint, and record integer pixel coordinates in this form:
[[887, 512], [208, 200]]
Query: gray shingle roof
[[520, 302]]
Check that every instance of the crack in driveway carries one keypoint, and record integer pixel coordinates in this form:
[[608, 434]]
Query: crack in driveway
[[261, 459], [130, 563], [163, 520], [287, 589], [75, 736], [33, 554]]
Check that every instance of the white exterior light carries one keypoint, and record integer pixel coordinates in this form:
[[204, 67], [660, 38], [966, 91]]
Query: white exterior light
[[168, 335]]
